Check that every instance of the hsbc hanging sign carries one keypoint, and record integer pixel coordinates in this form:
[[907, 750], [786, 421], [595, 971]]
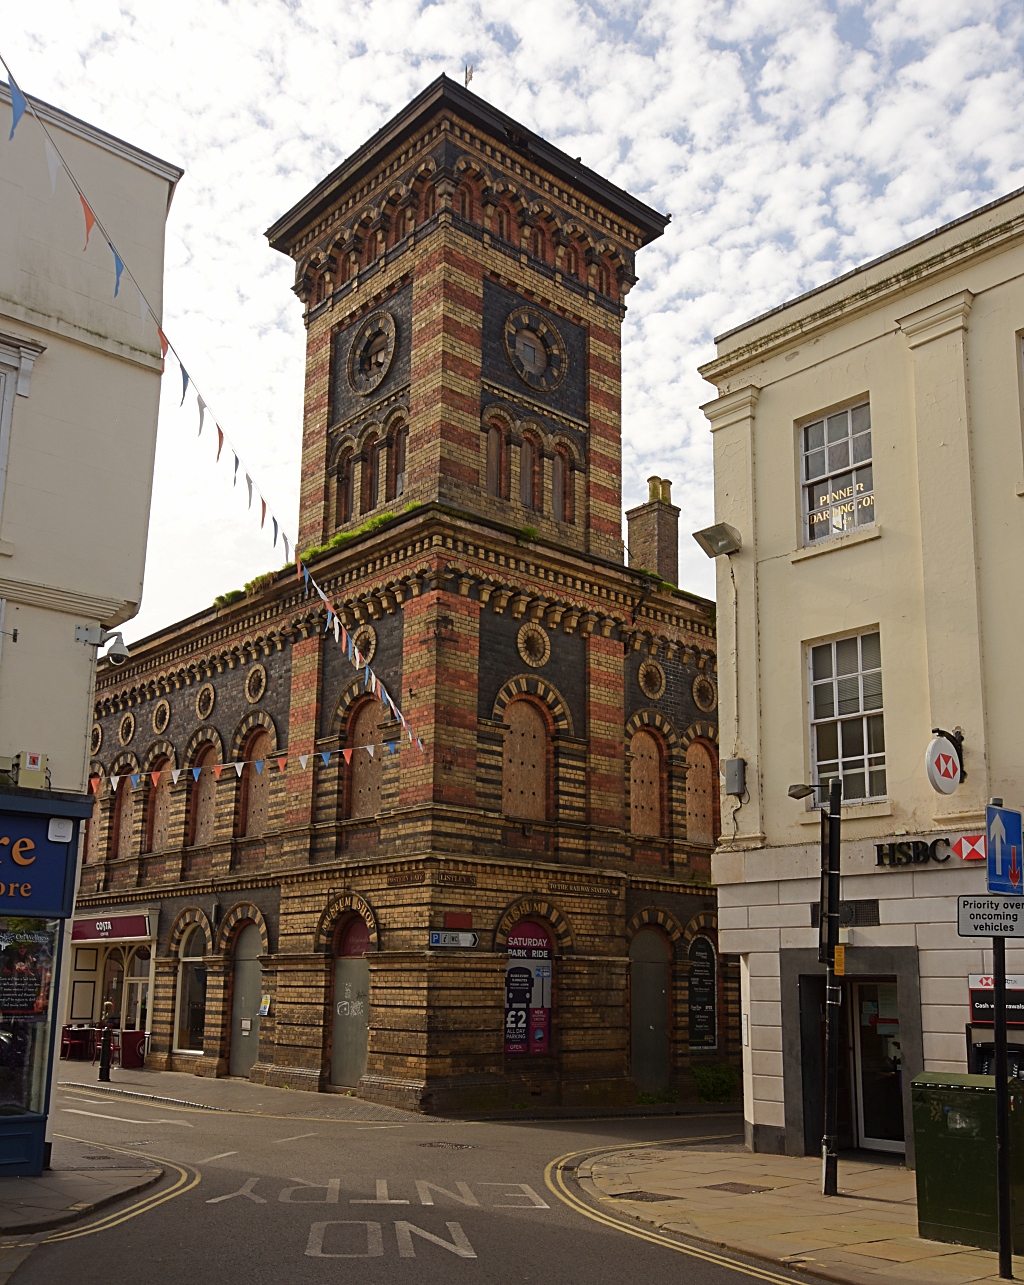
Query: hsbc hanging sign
[[943, 765]]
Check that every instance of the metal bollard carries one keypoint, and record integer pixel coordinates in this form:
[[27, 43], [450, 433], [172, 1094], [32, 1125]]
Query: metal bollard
[[105, 1054]]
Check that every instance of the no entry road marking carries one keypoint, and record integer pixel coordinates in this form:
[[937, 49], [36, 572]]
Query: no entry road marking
[[126, 1119]]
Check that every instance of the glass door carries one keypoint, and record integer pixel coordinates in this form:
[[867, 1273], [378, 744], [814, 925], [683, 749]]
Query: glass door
[[878, 1066]]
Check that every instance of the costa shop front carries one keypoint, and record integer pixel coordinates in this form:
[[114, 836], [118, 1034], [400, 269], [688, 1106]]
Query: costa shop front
[[111, 979]]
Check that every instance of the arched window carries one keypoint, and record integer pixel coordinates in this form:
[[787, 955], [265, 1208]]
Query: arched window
[[371, 473], [603, 281], [503, 224], [410, 219], [370, 249], [124, 818], [158, 815], [537, 243], [429, 203], [256, 785], [700, 795], [396, 472], [572, 263], [561, 485], [364, 768], [190, 1026], [203, 800], [645, 784], [529, 474], [524, 770], [346, 479], [496, 462], [465, 204]]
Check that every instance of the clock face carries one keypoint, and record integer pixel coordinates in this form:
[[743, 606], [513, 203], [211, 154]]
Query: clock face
[[535, 349], [372, 352]]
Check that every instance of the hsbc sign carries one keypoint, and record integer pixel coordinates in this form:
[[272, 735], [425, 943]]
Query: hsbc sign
[[942, 764]]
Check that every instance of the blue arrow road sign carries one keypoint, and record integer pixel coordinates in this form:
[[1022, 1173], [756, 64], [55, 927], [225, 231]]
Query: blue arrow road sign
[[1005, 854]]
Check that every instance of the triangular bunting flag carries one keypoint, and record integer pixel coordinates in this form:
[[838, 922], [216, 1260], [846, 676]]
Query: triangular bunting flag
[[52, 164], [94, 783], [419, 744], [369, 750], [175, 773], [282, 762], [307, 576], [337, 628], [218, 768], [263, 518], [220, 443], [303, 760], [90, 219], [347, 755], [344, 637], [184, 384], [195, 773], [155, 778], [392, 746], [135, 780], [164, 345], [114, 782], [202, 413], [287, 550], [18, 105], [326, 756], [234, 475], [248, 483], [274, 520], [258, 765], [238, 768], [118, 269]]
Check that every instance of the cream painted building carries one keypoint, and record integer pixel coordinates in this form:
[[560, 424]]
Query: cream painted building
[[79, 387], [868, 450]]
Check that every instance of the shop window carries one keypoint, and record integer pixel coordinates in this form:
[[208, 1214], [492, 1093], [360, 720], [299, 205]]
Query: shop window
[[645, 784], [529, 474], [346, 479], [124, 818], [136, 991], [524, 767], [847, 723], [256, 786], [204, 797], [528, 990], [191, 1023], [561, 485], [838, 491], [113, 986], [364, 768], [396, 474], [27, 949], [158, 820], [701, 787]]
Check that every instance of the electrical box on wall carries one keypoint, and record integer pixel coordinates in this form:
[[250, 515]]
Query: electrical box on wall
[[736, 776]]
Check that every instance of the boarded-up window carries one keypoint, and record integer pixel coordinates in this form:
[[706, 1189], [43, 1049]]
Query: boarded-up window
[[645, 784], [204, 797], [257, 786], [700, 798], [159, 819], [525, 768], [364, 769], [125, 818]]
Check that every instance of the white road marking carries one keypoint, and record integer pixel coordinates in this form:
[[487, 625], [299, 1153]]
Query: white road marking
[[221, 1155], [382, 1196], [423, 1190], [245, 1190], [126, 1119], [331, 1188], [524, 1192], [297, 1136], [374, 1240], [364, 1127], [459, 1243]]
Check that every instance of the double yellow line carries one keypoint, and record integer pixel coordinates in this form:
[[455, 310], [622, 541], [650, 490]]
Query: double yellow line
[[186, 1180], [554, 1178]]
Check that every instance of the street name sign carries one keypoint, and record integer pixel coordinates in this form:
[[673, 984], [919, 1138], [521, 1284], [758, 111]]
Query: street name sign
[[988, 916], [1005, 856], [464, 940]]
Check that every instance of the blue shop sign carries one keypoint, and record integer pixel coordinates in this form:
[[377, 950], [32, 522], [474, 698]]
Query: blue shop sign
[[38, 860]]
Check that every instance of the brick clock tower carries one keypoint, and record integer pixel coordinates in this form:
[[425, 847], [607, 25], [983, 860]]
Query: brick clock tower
[[463, 284]]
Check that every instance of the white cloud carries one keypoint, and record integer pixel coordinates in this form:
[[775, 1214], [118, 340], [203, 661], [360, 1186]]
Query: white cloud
[[790, 140]]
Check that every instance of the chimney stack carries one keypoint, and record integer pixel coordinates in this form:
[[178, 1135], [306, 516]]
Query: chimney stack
[[653, 532]]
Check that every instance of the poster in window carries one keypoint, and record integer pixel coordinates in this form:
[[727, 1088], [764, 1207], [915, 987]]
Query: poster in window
[[703, 994], [26, 970]]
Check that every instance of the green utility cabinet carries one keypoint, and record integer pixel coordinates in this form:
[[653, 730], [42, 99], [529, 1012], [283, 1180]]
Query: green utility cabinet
[[955, 1141]]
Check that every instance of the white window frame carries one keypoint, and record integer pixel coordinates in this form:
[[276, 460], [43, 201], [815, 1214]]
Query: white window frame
[[182, 961], [845, 506], [864, 712], [17, 357]]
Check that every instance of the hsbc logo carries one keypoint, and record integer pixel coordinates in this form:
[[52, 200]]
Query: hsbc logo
[[947, 766]]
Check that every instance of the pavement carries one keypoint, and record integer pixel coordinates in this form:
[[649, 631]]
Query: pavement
[[771, 1207]]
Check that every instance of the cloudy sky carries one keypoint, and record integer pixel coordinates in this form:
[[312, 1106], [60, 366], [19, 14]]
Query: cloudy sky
[[789, 140]]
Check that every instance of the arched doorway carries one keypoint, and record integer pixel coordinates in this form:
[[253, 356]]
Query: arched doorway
[[351, 1004], [649, 958], [528, 990], [245, 1001]]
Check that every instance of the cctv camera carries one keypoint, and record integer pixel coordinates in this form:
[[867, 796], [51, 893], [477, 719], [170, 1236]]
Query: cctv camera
[[118, 653]]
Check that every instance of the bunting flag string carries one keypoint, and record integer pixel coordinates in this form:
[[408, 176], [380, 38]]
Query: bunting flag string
[[55, 162]]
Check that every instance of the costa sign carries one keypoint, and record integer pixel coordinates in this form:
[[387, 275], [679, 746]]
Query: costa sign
[[115, 928]]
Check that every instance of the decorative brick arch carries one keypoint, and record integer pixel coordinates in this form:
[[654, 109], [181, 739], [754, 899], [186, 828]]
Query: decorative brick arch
[[189, 916], [323, 938], [706, 923], [655, 917], [352, 694], [534, 908], [242, 912], [199, 740], [532, 685], [256, 719], [125, 764], [644, 719], [158, 750], [700, 731]]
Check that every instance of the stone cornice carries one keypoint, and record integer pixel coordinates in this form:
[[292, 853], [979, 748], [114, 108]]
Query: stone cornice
[[108, 611], [732, 408], [938, 319]]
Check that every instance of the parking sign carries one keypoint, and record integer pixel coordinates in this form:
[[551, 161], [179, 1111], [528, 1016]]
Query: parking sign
[[1005, 856]]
